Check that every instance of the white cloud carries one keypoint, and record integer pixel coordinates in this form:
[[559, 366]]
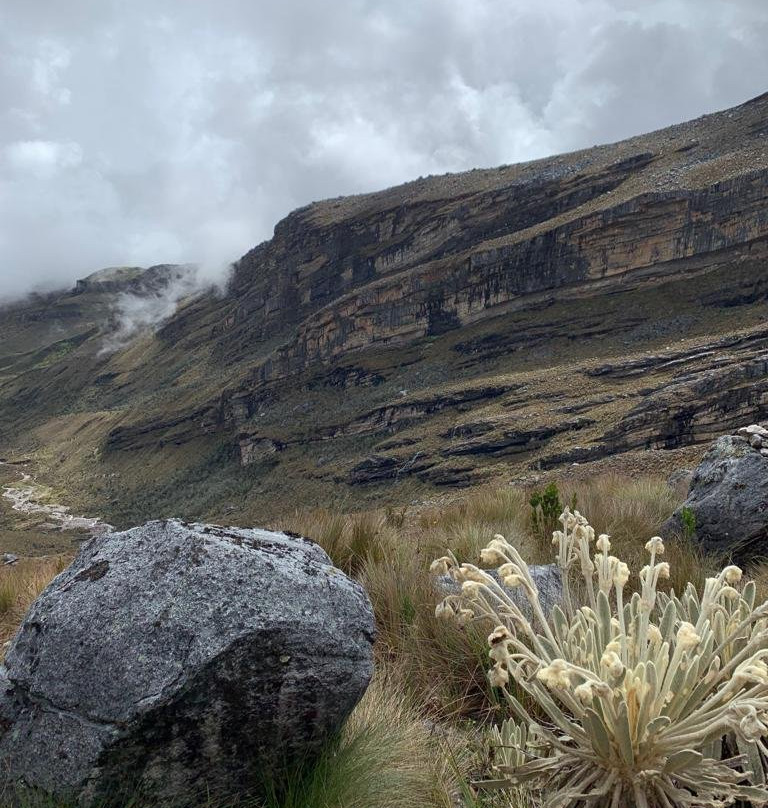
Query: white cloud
[[171, 131], [42, 158]]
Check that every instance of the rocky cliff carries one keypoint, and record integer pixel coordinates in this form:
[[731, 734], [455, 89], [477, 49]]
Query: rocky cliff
[[604, 304]]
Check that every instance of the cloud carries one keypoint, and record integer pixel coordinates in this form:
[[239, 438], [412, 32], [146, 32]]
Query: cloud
[[143, 311], [181, 131]]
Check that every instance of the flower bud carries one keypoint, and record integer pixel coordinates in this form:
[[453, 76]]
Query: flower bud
[[585, 693], [470, 589], [687, 638], [499, 634], [440, 566], [655, 545], [469, 572], [491, 557], [612, 664], [620, 575], [555, 675], [753, 671], [662, 570], [498, 676], [732, 574]]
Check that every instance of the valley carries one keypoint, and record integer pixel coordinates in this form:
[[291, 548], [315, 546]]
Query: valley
[[589, 313]]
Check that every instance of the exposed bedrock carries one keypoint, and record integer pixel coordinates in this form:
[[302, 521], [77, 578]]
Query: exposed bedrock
[[471, 280], [696, 407]]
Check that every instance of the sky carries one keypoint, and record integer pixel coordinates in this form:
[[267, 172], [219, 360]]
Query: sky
[[152, 131]]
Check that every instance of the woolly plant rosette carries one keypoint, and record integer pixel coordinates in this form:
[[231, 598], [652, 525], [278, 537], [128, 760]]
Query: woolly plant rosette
[[644, 699]]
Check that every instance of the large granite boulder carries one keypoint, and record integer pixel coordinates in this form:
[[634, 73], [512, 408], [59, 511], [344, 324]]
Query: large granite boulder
[[728, 497], [182, 660]]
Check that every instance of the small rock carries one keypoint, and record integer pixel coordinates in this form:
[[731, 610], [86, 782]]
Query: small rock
[[10, 558], [756, 441], [754, 429]]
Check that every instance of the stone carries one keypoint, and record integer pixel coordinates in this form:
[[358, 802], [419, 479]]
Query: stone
[[729, 500], [255, 450], [10, 558], [181, 659], [754, 429], [546, 577], [680, 480], [756, 441]]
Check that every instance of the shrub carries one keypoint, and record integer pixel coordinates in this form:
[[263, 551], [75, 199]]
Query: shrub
[[640, 695], [545, 508], [688, 519]]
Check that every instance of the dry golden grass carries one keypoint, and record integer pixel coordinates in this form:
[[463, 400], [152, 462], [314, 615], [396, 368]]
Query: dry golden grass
[[390, 554], [442, 662], [467, 526], [429, 670], [350, 541], [20, 584]]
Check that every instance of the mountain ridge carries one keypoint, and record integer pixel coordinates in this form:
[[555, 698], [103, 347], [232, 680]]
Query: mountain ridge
[[453, 330]]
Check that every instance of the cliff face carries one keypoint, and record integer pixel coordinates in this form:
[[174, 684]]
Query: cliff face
[[607, 303], [456, 269]]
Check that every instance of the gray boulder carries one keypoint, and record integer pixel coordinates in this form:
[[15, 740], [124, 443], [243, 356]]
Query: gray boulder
[[728, 497], [181, 660], [680, 481]]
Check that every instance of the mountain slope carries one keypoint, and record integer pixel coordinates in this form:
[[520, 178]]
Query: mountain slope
[[592, 307]]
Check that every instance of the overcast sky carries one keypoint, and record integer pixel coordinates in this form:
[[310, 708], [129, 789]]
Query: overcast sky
[[150, 131]]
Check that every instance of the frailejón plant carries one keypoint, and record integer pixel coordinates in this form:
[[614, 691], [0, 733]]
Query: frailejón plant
[[639, 698]]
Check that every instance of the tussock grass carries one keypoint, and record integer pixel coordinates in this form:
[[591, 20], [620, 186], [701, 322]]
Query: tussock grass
[[20, 584], [386, 757], [408, 742], [466, 527], [439, 660], [390, 554], [350, 541]]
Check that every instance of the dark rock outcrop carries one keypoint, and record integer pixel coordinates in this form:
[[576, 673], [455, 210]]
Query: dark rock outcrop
[[728, 498], [132, 280], [182, 660]]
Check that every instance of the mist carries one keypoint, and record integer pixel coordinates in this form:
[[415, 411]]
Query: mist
[[181, 132], [136, 313]]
